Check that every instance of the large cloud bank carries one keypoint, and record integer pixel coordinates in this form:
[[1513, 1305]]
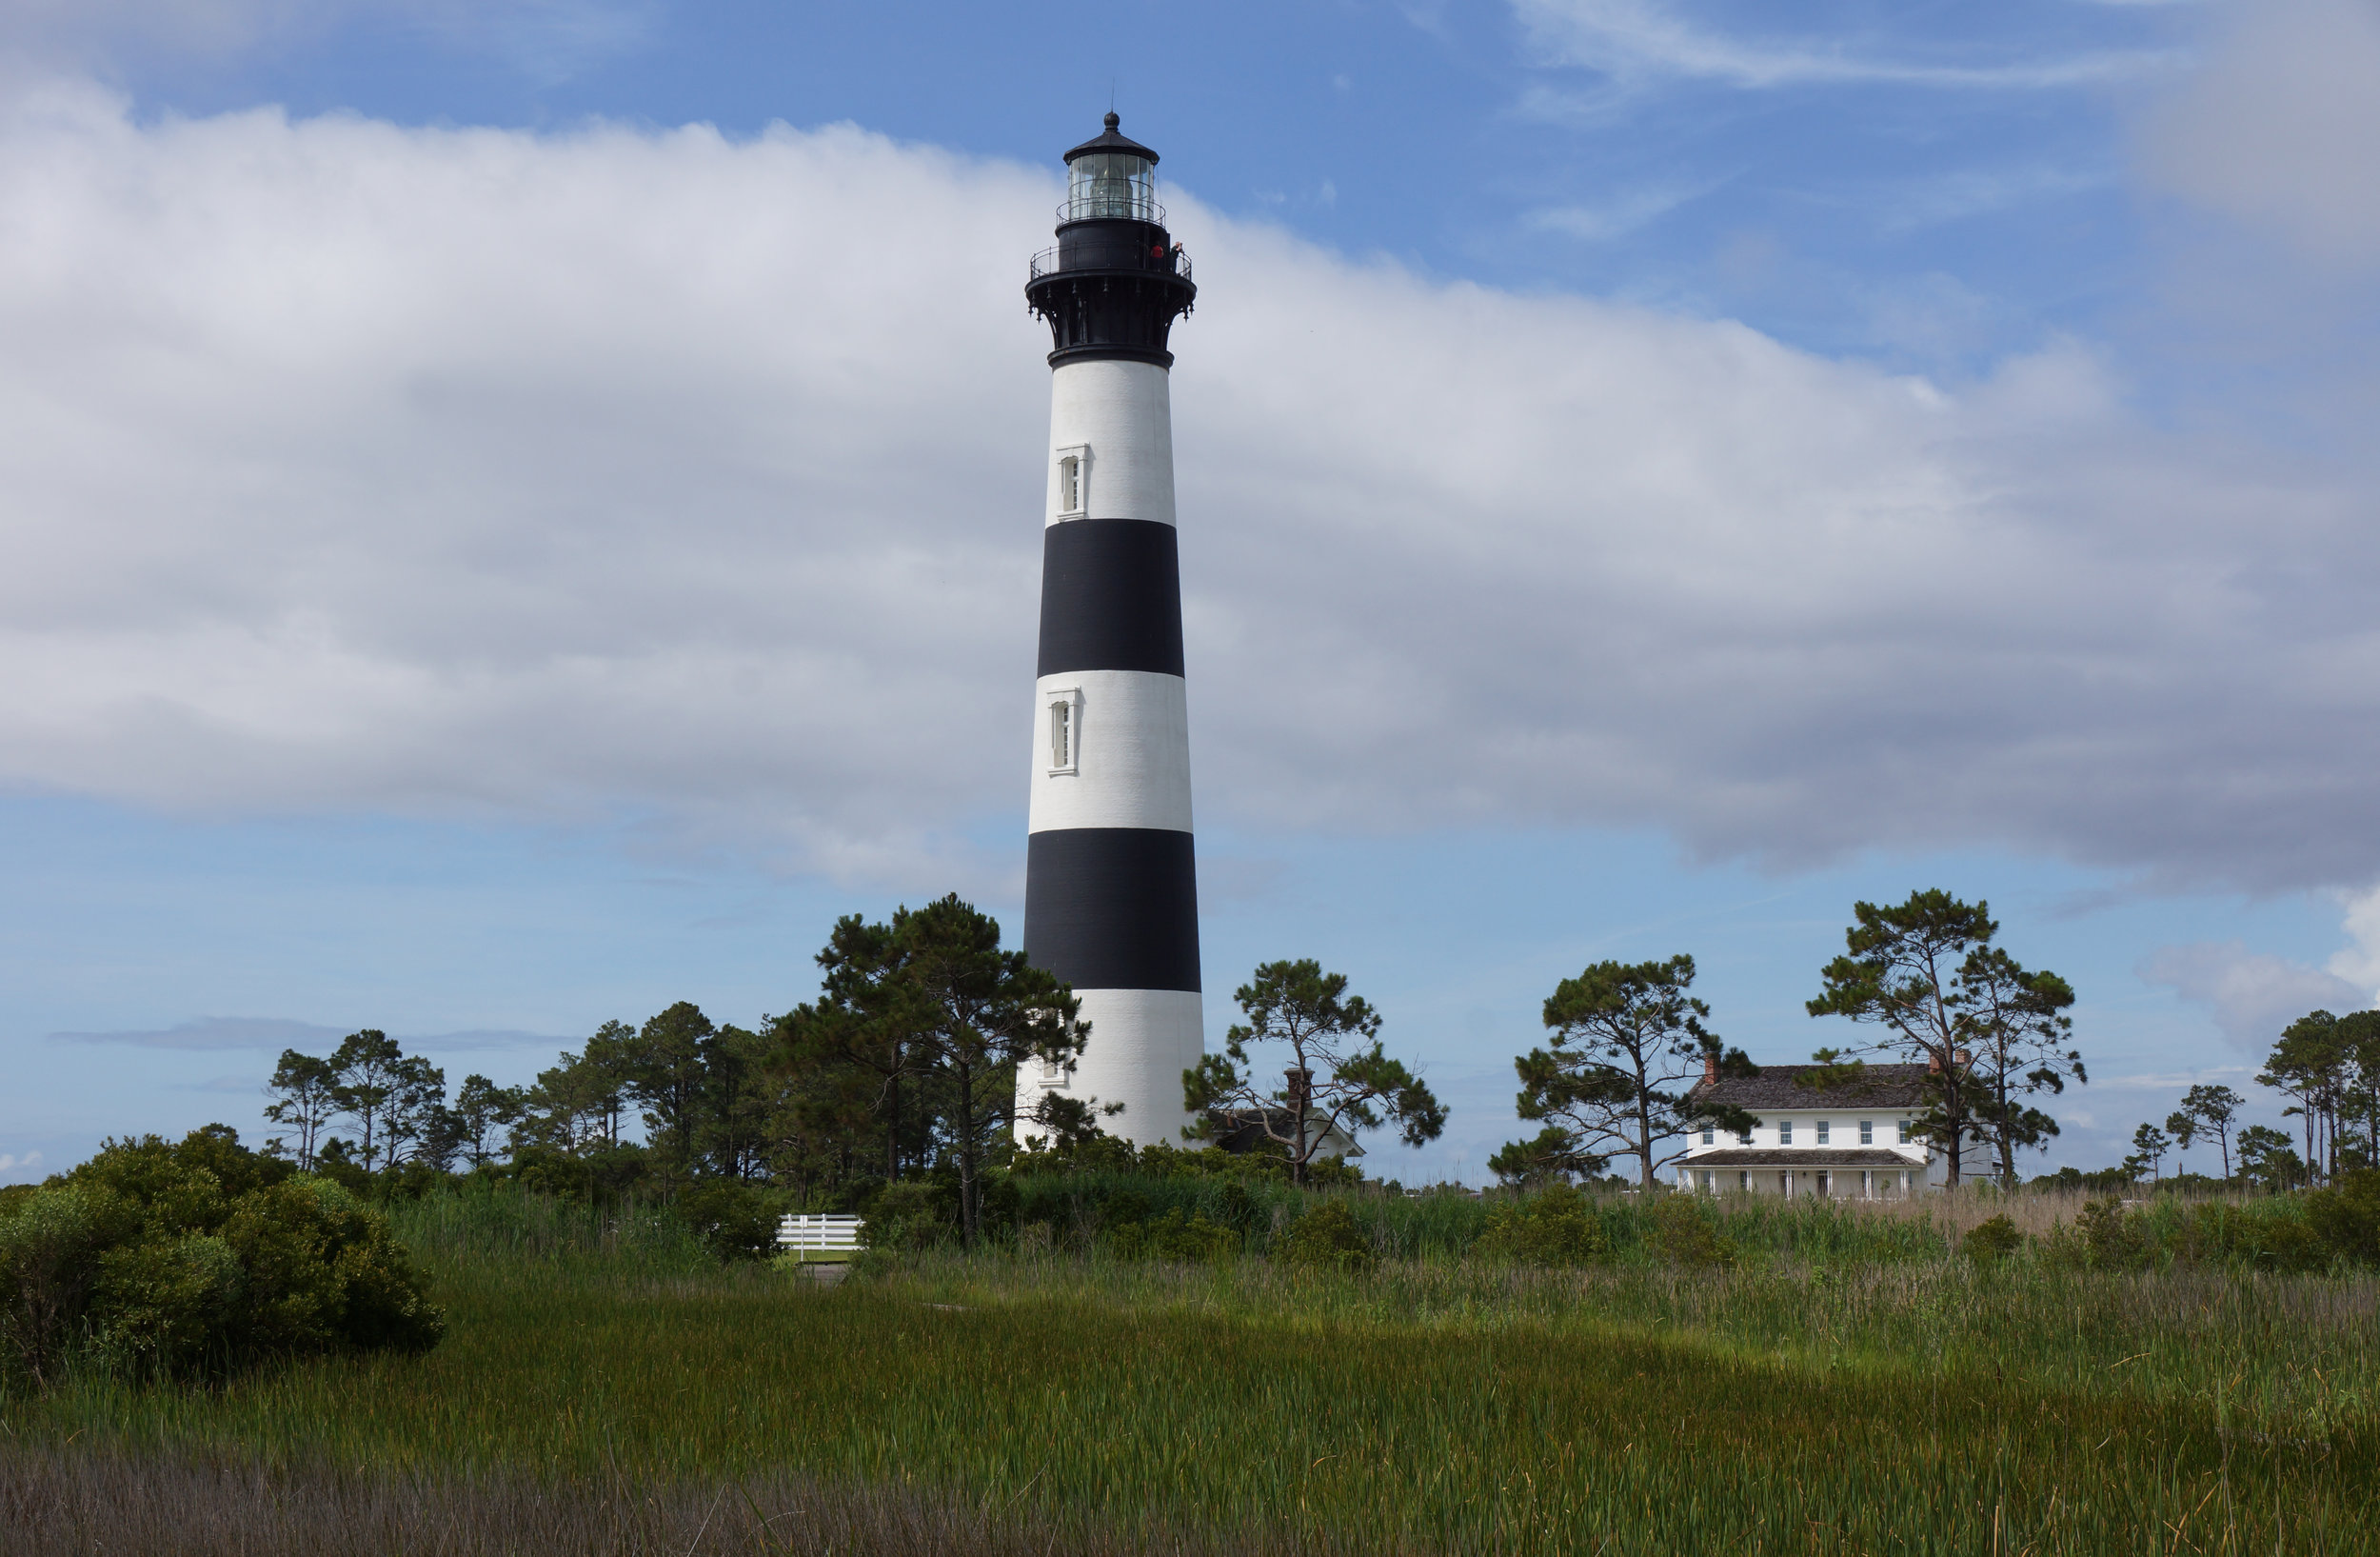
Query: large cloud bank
[[626, 473]]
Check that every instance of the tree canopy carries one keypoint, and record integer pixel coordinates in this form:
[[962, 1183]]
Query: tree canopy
[[1339, 1079], [1925, 974], [1617, 1077]]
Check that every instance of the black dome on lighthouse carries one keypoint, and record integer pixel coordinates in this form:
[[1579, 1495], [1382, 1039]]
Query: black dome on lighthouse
[[1112, 139]]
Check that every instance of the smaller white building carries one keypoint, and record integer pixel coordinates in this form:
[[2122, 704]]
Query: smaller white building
[[1852, 1143]]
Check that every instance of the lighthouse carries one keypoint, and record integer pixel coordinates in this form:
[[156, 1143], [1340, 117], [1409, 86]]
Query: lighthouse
[[1111, 898]]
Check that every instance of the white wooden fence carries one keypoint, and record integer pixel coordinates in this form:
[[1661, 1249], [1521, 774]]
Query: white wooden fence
[[818, 1237]]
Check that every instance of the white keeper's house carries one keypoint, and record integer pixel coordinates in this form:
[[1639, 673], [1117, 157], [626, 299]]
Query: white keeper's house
[[1854, 1143]]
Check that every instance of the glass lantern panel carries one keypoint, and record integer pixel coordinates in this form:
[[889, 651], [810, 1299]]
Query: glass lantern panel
[[1110, 184]]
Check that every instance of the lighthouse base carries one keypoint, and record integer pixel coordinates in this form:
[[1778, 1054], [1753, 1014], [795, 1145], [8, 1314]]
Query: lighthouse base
[[1141, 1043]]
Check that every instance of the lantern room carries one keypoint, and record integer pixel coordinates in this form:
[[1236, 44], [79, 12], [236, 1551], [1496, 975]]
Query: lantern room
[[1111, 178]]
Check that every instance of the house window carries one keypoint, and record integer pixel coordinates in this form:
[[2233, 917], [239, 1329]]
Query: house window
[[1823, 1125], [1053, 1074], [1743, 1181], [1065, 731], [1743, 1138], [1904, 1126], [1867, 1132], [1074, 480], [1784, 1132], [1710, 1134]]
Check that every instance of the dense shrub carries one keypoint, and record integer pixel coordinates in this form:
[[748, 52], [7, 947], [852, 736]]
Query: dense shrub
[[734, 1220], [199, 1256], [1327, 1237], [598, 1175], [1685, 1234], [1112, 1155], [2268, 1236], [1556, 1225], [911, 1216], [2346, 1218], [1992, 1240], [2105, 1235], [51, 1242], [1174, 1236]]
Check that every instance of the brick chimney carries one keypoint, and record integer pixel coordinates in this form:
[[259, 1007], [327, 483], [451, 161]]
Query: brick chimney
[[1300, 1090], [1933, 1062], [1964, 1058], [1710, 1070]]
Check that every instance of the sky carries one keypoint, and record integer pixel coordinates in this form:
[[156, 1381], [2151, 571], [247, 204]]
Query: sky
[[519, 513]]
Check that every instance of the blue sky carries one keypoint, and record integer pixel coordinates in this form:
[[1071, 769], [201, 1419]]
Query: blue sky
[[490, 559]]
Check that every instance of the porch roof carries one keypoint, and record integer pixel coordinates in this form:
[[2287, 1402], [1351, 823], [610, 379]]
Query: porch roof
[[1812, 1159]]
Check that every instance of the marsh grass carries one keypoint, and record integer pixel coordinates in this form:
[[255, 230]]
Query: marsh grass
[[1845, 1389], [56, 1504]]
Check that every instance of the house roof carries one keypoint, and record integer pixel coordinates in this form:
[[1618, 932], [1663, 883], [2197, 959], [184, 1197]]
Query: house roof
[[1809, 1159], [1777, 1088], [1253, 1129]]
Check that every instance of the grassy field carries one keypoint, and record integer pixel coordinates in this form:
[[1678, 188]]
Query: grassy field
[[1850, 1386]]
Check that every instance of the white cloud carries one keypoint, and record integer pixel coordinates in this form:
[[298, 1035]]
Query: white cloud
[[1619, 216], [1962, 194], [2359, 961], [12, 1163], [2281, 128], [2251, 995], [622, 473], [1635, 42]]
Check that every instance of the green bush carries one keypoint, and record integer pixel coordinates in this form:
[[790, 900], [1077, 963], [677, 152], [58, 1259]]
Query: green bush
[[2346, 1218], [1990, 1240], [1556, 1225], [1685, 1234], [2115, 1239], [734, 1220], [51, 1242], [1123, 1208], [2268, 1236], [1327, 1237], [199, 1256], [1190, 1239], [910, 1215]]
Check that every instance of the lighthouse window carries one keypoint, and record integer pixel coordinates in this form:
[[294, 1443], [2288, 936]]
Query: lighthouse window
[[1066, 732], [1073, 467]]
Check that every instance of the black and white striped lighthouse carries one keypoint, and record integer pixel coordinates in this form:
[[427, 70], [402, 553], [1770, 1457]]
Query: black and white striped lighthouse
[[1111, 901]]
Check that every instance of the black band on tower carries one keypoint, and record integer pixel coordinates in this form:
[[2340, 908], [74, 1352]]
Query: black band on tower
[[1111, 597], [1113, 908]]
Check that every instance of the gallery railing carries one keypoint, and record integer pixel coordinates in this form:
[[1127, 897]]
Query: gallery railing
[[1110, 254]]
